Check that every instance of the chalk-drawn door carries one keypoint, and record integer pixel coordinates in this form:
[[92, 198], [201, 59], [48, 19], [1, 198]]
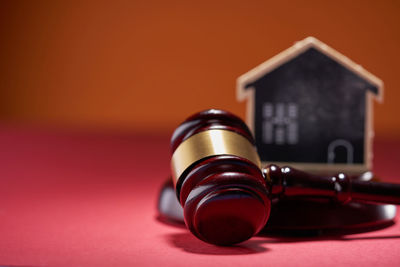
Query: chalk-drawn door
[[340, 151]]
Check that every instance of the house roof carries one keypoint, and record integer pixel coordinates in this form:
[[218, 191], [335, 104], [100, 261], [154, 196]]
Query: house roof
[[294, 51]]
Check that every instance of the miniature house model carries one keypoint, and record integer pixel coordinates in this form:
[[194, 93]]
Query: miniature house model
[[311, 107]]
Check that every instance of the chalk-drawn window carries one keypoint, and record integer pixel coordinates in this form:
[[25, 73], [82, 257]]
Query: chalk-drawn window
[[280, 124]]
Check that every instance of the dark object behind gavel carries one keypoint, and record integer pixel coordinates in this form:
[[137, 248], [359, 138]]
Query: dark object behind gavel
[[226, 196]]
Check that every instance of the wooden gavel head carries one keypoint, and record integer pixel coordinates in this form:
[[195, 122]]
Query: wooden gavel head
[[218, 179]]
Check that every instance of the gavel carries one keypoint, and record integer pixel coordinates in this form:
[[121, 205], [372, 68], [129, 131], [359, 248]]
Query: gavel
[[226, 195]]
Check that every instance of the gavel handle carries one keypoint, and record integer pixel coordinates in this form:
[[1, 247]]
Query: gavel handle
[[287, 181], [375, 191]]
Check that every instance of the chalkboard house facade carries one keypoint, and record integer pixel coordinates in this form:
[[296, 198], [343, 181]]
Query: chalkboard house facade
[[311, 107]]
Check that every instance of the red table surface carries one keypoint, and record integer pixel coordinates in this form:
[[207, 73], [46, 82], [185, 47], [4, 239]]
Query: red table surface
[[81, 199]]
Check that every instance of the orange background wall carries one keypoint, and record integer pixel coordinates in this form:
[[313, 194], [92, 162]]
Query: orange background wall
[[144, 66]]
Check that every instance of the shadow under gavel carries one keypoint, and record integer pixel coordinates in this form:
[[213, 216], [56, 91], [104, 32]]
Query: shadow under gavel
[[226, 195]]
